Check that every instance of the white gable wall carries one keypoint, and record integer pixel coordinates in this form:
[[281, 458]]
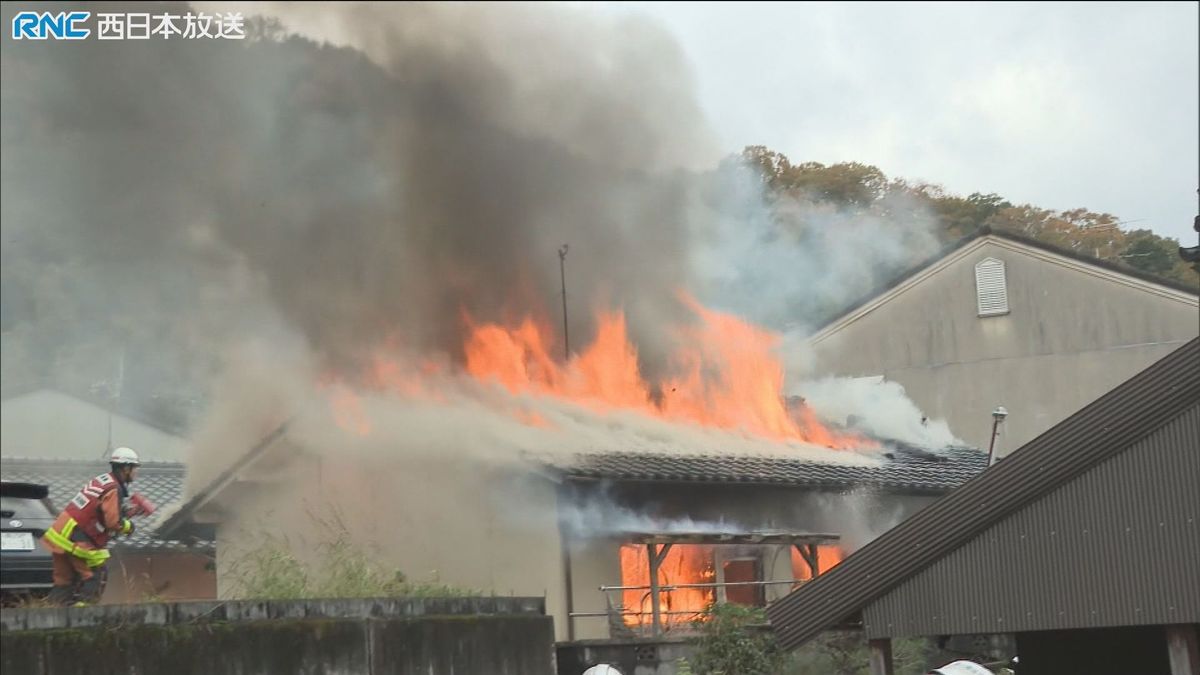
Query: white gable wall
[[48, 424], [1073, 332]]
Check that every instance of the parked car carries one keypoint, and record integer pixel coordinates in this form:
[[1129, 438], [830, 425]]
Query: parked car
[[26, 568]]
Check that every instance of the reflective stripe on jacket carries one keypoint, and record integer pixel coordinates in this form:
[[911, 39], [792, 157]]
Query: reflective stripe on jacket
[[93, 516], [58, 540]]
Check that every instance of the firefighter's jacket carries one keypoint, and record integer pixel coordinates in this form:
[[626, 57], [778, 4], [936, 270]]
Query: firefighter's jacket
[[90, 519]]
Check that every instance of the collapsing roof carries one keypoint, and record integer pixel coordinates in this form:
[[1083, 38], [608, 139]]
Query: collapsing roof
[[1071, 469]]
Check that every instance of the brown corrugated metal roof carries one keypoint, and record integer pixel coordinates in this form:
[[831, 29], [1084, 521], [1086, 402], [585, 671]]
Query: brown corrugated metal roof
[[1116, 546], [1108, 426]]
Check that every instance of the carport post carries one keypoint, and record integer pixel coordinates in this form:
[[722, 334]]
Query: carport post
[[1182, 650], [657, 556], [881, 656]]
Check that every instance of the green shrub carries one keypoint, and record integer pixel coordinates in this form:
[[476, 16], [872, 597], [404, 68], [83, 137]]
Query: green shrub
[[735, 640], [341, 569]]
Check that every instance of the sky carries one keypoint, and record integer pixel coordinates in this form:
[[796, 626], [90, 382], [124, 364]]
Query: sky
[[1059, 105]]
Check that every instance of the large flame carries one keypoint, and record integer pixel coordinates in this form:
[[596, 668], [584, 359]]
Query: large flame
[[727, 376], [684, 564]]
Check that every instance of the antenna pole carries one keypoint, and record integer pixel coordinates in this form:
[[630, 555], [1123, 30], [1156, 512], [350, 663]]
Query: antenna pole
[[562, 270]]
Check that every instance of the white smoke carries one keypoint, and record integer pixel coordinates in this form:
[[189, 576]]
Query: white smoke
[[789, 261], [877, 407], [859, 516], [599, 516]]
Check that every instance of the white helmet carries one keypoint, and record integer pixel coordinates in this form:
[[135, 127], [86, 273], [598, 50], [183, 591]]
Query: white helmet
[[124, 456]]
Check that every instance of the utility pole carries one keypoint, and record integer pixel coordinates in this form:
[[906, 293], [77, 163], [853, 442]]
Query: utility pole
[[562, 270], [114, 397]]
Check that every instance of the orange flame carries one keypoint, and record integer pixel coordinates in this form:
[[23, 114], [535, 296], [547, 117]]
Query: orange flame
[[684, 564], [725, 376], [828, 557], [348, 411], [728, 378]]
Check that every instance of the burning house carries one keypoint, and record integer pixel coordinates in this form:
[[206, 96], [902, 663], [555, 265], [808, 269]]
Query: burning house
[[357, 246], [622, 543], [724, 528], [631, 486]]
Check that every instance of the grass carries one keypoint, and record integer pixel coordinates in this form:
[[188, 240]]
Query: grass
[[340, 569]]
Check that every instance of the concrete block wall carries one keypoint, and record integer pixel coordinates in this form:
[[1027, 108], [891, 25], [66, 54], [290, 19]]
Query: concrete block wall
[[463, 636]]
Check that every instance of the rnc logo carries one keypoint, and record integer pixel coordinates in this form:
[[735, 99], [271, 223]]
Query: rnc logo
[[40, 25]]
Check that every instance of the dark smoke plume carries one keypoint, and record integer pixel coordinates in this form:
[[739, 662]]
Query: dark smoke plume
[[168, 201], [163, 199]]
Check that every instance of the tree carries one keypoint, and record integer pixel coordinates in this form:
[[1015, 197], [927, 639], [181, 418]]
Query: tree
[[862, 187], [1151, 253], [850, 184], [961, 216]]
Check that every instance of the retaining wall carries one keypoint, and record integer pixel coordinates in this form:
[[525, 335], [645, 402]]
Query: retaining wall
[[459, 636]]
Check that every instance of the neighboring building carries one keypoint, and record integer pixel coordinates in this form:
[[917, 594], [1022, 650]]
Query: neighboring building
[[142, 567], [1002, 320], [1084, 544], [49, 424], [564, 527]]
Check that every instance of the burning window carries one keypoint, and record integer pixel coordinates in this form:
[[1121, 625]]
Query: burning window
[[827, 558], [684, 564], [692, 577]]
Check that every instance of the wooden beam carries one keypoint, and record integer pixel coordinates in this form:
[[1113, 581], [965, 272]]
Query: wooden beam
[[880, 656], [809, 553], [1183, 650], [656, 558]]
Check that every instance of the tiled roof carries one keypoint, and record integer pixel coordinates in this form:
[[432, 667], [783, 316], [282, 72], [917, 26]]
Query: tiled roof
[[904, 470], [161, 482]]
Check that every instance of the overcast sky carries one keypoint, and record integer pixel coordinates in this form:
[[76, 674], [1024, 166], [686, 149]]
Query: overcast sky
[[1059, 105]]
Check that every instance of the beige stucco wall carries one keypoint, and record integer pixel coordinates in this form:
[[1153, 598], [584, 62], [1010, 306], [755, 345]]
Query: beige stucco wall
[[493, 526], [48, 424], [1073, 333], [145, 577], [449, 520]]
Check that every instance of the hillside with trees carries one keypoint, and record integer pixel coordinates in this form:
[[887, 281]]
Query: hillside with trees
[[856, 186]]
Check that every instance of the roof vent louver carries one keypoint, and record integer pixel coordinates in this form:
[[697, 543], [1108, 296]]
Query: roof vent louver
[[991, 287]]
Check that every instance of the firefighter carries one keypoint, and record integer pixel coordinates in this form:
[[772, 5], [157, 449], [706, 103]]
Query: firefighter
[[79, 536]]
